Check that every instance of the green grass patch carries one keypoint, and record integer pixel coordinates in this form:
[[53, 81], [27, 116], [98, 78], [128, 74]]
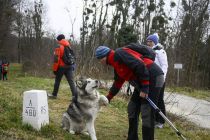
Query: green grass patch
[[199, 94]]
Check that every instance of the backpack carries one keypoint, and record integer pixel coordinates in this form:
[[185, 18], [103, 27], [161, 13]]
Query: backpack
[[68, 56], [142, 49]]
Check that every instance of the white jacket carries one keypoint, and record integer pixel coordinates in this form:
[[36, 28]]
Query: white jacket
[[161, 58]]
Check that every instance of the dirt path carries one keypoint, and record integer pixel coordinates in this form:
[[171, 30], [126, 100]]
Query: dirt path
[[194, 110]]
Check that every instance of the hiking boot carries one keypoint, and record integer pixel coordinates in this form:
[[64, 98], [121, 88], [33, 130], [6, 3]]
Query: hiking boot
[[51, 96], [159, 125]]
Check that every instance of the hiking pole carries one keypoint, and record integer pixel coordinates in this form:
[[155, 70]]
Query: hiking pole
[[165, 118]]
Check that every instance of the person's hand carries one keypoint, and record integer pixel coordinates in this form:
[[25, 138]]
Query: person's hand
[[143, 95], [109, 97]]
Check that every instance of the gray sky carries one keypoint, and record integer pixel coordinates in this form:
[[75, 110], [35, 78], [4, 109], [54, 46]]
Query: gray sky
[[59, 19], [60, 13]]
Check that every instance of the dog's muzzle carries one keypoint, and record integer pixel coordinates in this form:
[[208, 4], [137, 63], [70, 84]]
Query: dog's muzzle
[[97, 84]]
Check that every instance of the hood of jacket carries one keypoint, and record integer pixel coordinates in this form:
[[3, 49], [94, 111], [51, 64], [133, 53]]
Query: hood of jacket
[[64, 42]]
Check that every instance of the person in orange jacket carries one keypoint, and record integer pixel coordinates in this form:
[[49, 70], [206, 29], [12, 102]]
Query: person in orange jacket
[[60, 68]]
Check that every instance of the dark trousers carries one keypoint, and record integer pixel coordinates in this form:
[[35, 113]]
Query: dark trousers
[[137, 105], [4, 76], [161, 106], [68, 72], [0, 74]]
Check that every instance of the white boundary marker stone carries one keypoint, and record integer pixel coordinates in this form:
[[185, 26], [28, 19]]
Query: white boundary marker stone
[[35, 108]]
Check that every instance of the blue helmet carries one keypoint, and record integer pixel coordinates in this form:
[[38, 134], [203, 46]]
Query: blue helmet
[[102, 51]]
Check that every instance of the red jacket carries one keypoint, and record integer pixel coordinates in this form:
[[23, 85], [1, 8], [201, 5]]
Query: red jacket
[[58, 54], [128, 66]]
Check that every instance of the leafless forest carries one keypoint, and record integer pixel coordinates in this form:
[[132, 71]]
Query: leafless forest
[[183, 28]]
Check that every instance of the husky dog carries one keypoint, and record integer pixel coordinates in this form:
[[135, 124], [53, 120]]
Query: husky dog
[[82, 112]]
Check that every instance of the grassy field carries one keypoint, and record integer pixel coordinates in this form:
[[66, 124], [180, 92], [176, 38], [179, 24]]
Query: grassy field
[[199, 94], [111, 123]]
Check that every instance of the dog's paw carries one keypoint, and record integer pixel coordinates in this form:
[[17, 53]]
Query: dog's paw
[[104, 101], [85, 133], [72, 132]]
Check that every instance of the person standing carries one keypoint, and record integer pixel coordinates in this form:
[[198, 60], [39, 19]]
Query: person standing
[[162, 62], [5, 69], [144, 75], [60, 68], [0, 69]]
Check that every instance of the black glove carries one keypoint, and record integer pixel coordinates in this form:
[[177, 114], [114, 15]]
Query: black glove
[[109, 97]]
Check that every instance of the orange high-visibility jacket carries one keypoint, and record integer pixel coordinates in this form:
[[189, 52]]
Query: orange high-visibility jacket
[[58, 54]]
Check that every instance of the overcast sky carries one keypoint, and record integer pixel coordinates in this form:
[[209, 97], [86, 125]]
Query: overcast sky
[[59, 14]]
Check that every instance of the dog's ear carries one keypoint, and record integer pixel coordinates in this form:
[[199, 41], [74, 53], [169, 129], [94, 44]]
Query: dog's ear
[[79, 83]]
